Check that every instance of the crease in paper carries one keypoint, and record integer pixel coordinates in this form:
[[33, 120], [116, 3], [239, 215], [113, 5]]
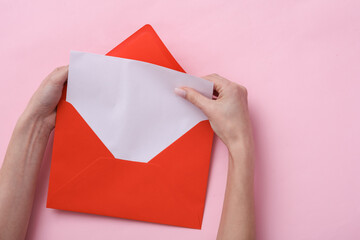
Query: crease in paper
[[131, 105]]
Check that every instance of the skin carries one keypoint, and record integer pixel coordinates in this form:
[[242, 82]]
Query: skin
[[18, 174], [229, 118]]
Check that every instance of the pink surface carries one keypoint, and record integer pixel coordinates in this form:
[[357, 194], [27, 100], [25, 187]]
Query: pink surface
[[299, 61]]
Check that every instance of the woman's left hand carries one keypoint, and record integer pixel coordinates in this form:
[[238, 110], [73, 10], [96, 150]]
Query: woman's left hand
[[42, 105]]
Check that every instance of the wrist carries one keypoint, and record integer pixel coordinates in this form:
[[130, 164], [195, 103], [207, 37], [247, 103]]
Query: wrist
[[241, 149], [241, 160], [241, 141]]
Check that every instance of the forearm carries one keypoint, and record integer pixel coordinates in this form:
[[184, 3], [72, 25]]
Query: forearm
[[18, 175], [238, 218]]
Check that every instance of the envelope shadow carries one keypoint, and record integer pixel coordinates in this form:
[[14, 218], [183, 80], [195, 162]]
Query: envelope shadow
[[216, 141]]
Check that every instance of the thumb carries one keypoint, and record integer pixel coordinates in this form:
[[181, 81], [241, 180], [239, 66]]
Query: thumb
[[194, 97]]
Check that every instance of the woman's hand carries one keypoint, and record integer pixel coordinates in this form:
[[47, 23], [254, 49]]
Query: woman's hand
[[21, 166], [229, 118], [228, 113], [42, 106]]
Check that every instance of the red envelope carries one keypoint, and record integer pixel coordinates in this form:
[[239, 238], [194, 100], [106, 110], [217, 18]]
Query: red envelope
[[85, 176]]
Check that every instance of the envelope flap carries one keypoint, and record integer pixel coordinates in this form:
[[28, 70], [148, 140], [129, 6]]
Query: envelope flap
[[145, 45]]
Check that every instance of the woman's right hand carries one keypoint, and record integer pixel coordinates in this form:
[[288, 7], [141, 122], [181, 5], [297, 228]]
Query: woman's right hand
[[228, 113]]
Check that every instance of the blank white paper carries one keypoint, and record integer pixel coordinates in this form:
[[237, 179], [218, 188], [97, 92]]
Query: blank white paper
[[131, 105]]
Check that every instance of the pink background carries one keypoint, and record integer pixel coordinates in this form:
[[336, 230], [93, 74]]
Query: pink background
[[299, 61]]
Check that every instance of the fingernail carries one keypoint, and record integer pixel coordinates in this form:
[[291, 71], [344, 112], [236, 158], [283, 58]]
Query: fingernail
[[180, 92]]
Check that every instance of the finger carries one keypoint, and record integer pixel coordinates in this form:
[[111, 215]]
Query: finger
[[194, 97], [219, 82], [58, 76]]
